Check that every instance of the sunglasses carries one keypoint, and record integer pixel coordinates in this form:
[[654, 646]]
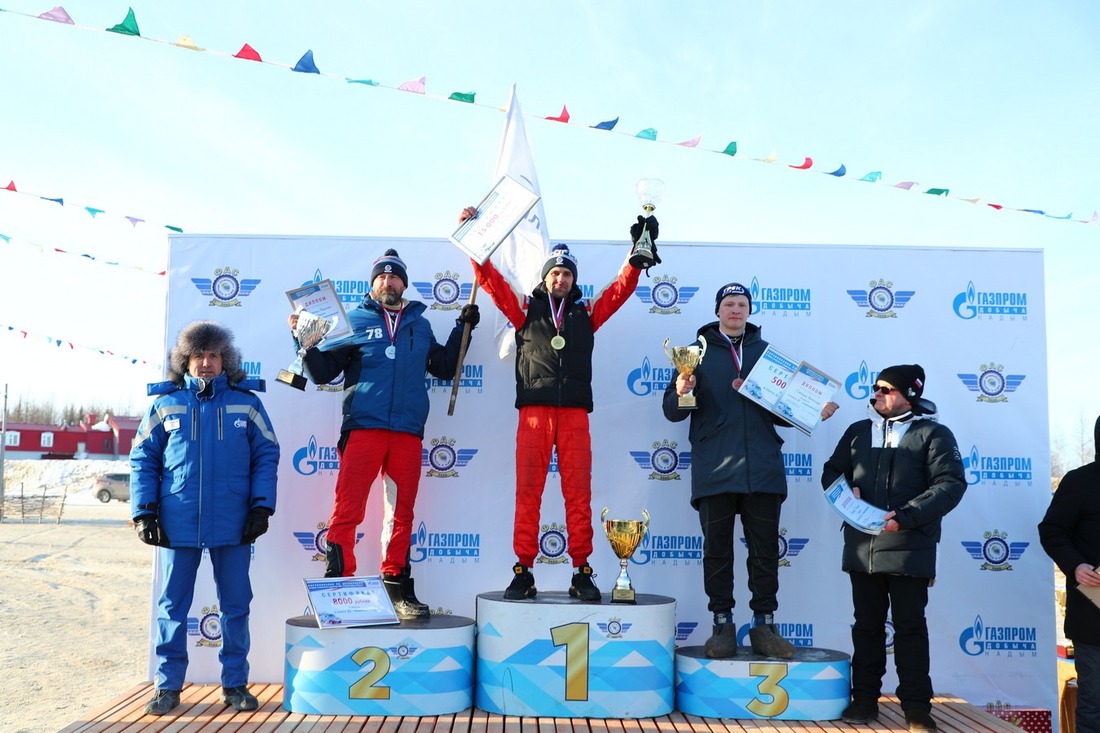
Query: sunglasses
[[883, 389]]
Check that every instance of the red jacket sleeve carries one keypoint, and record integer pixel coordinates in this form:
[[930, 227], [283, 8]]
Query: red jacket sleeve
[[504, 297], [612, 297]]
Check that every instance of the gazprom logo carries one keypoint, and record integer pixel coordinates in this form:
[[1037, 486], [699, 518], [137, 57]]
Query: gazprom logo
[[778, 299], [798, 466], [669, 549], [350, 292], [445, 292], [314, 458], [1001, 305], [799, 634], [858, 384], [1006, 469], [1008, 641], [647, 380], [455, 548], [252, 369], [472, 380], [665, 297]]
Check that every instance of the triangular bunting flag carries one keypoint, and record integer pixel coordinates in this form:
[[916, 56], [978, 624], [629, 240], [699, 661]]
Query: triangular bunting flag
[[10, 186], [128, 27], [905, 184], [805, 165], [563, 117], [188, 42], [92, 211], [1067, 216], [872, 177], [606, 125], [368, 82], [998, 207], [6, 238], [974, 200], [938, 191], [57, 15], [770, 159], [174, 229], [691, 143], [839, 172], [305, 64], [467, 97], [1033, 211], [248, 54], [647, 134], [731, 149], [56, 201], [416, 86], [134, 220]]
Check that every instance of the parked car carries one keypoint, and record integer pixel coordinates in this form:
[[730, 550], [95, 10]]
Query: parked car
[[112, 486]]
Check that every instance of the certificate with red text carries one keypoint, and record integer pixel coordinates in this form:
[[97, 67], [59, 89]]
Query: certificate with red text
[[498, 214], [793, 390], [355, 601]]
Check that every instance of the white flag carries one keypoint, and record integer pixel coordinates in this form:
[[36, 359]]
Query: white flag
[[523, 253]]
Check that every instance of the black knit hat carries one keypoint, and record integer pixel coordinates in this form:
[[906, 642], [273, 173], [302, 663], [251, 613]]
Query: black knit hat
[[560, 257], [731, 289], [392, 263], [906, 378]]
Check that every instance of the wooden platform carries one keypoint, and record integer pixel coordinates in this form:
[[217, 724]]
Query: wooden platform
[[201, 711]]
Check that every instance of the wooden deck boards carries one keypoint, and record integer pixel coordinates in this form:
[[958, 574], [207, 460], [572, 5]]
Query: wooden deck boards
[[201, 711]]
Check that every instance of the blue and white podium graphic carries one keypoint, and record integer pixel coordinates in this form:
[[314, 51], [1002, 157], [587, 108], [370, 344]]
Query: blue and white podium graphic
[[412, 668], [811, 686], [557, 657]]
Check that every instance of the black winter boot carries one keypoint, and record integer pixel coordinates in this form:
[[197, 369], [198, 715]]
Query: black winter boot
[[406, 610], [334, 561], [408, 592]]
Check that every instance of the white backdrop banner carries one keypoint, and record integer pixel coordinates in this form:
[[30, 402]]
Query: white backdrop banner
[[974, 319]]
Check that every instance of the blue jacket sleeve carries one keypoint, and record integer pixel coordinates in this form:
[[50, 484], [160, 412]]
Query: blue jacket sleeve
[[264, 447]]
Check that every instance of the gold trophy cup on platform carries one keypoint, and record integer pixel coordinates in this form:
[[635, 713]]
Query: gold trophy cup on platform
[[624, 535], [685, 359]]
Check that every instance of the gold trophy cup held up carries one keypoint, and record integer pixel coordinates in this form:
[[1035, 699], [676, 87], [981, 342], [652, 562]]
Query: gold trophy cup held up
[[624, 535], [685, 359], [310, 331]]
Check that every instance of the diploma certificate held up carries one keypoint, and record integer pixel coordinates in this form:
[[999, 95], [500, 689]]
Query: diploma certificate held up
[[793, 390], [498, 214]]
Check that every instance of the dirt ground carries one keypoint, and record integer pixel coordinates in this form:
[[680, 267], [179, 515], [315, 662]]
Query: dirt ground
[[74, 614]]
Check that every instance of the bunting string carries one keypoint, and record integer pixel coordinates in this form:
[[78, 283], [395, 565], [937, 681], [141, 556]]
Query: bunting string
[[62, 343], [45, 249], [92, 210], [308, 65]]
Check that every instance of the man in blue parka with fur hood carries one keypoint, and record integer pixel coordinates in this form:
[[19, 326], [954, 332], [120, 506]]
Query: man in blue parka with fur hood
[[203, 467]]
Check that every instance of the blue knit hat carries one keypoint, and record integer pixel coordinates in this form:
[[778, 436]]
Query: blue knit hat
[[392, 263]]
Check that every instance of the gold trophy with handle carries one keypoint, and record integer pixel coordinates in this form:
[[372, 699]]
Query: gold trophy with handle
[[685, 359], [624, 535]]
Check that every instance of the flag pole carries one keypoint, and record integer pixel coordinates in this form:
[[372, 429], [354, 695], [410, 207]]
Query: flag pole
[[461, 354]]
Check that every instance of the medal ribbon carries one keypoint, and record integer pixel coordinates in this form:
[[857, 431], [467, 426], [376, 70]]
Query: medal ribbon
[[735, 351], [393, 322], [557, 312]]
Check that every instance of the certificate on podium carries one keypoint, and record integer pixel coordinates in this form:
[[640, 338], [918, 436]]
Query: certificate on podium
[[355, 601], [320, 299], [793, 390], [498, 214], [854, 511]]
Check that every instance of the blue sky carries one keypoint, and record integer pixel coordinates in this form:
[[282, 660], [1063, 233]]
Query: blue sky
[[988, 99]]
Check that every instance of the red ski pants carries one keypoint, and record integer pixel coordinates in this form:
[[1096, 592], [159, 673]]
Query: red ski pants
[[540, 428]]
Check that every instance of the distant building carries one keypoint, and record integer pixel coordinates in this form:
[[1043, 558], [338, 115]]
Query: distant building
[[108, 438]]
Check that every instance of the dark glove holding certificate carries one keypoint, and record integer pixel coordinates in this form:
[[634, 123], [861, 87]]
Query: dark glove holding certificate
[[644, 236]]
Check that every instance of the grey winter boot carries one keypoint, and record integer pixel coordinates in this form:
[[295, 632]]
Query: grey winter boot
[[766, 640]]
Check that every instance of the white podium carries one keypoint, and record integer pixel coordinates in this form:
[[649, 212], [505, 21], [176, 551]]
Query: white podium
[[554, 656], [414, 668], [814, 685]]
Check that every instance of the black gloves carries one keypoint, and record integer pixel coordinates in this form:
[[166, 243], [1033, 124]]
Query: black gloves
[[644, 255], [649, 223], [256, 524], [149, 531], [470, 314]]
